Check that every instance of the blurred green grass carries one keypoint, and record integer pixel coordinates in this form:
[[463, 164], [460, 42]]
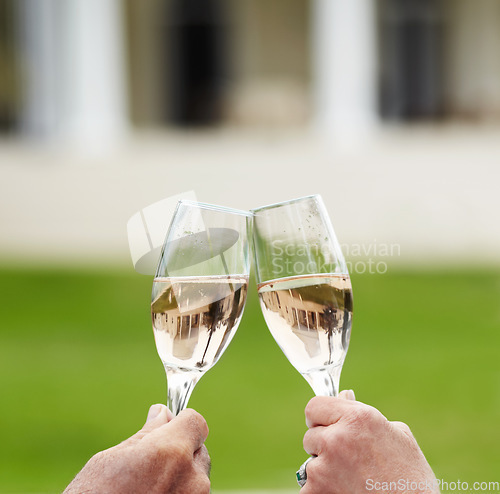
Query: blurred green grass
[[78, 370]]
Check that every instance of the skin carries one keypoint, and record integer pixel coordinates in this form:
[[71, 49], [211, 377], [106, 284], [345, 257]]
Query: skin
[[166, 456], [354, 443]]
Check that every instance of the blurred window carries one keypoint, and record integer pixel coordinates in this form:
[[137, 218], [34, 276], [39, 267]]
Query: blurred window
[[411, 37], [197, 61], [9, 86]]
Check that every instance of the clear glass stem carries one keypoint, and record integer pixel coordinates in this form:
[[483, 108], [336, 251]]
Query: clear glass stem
[[324, 382], [180, 385]]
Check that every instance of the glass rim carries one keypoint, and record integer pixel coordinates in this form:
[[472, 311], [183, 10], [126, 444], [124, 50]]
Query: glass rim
[[286, 203], [214, 207]]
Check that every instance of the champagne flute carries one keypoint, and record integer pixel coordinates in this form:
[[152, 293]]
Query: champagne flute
[[304, 288], [199, 292]]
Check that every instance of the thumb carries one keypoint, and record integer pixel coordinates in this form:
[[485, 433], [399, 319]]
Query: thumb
[[347, 394], [157, 416], [157, 410]]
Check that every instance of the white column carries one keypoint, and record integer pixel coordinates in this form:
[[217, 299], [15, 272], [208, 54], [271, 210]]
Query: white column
[[94, 109], [38, 42], [344, 58], [76, 54]]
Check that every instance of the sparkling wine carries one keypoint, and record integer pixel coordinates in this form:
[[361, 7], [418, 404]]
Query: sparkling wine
[[195, 318], [310, 318]]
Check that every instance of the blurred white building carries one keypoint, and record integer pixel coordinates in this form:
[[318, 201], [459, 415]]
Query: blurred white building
[[82, 67], [256, 76]]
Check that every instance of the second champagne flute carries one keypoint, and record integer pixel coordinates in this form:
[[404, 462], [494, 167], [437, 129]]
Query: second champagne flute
[[304, 288], [199, 292]]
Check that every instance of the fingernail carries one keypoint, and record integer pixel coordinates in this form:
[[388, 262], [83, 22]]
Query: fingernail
[[154, 411], [350, 395]]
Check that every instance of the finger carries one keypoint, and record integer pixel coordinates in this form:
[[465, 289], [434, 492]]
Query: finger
[[326, 410], [317, 481], [202, 459], [189, 426], [347, 394], [403, 428], [313, 440]]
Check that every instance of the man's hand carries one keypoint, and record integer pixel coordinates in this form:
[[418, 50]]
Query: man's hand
[[166, 456], [358, 450]]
